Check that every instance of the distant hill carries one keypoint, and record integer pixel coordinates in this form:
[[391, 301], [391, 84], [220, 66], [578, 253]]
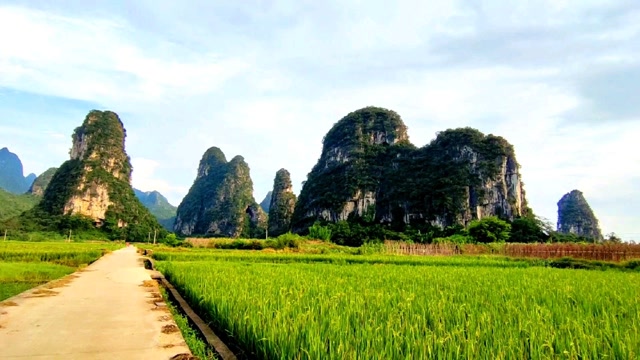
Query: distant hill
[[266, 203], [12, 177], [159, 206], [12, 205], [41, 183]]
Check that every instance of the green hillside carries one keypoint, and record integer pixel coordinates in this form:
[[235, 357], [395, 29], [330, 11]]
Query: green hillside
[[13, 205]]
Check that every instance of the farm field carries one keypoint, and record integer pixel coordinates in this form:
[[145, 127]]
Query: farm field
[[24, 265], [298, 306]]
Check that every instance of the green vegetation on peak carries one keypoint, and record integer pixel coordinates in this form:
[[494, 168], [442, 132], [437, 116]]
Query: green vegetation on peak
[[369, 174], [283, 202], [41, 183], [220, 201], [370, 125], [92, 191], [576, 217]]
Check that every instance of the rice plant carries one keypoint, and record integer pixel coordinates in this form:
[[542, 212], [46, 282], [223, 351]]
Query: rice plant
[[322, 310]]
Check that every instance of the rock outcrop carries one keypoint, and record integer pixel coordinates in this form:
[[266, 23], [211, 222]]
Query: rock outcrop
[[576, 217], [283, 202], [159, 206], [12, 178], [266, 202], [41, 183], [96, 182], [220, 203], [370, 171]]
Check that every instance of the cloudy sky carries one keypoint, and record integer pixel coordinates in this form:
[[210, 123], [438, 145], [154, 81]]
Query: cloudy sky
[[560, 79]]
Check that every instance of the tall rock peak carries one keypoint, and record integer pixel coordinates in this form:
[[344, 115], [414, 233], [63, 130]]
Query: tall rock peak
[[283, 202], [220, 201], [576, 217], [369, 170], [100, 142], [96, 181], [212, 158]]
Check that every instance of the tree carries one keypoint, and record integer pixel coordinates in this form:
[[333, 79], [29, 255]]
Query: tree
[[527, 229], [489, 229]]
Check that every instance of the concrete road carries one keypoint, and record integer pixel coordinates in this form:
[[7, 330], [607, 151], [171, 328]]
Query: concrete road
[[106, 311]]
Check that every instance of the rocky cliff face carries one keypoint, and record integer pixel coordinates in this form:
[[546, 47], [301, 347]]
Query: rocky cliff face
[[12, 178], [220, 202], [283, 202], [370, 171], [576, 217], [95, 182], [41, 183]]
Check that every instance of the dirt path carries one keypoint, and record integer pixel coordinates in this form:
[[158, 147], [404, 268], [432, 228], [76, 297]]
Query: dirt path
[[106, 311]]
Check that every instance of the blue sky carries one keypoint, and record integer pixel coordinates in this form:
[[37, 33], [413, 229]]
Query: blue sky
[[267, 79]]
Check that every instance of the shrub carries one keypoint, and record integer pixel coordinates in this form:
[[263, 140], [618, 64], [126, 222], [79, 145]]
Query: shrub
[[489, 229], [318, 232]]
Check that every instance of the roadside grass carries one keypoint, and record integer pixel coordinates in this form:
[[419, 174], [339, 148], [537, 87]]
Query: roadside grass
[[16, 277], [24, 265], [199, 348]]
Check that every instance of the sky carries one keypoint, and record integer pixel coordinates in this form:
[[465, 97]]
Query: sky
[[559, 79]]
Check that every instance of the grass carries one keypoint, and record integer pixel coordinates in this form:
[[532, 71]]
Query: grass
[[16, 277], [311, 306], [198, 347], [24, 265]]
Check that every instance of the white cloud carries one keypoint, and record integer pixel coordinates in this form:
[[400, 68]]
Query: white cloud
[[101, 60], [268, 82]]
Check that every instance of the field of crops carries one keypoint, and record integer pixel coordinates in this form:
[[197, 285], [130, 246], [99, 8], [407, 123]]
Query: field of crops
[[444, 308], [24, 265]]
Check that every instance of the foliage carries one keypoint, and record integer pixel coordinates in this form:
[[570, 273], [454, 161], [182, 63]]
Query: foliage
[[12, 205], [527, 229], [319, 232], [460, 309], [454, 239], [489, 229]]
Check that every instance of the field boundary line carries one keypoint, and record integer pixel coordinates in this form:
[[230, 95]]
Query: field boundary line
[[221, 348]]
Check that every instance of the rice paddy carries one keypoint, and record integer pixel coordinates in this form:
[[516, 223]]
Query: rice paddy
[[24, 265], [277, 306]]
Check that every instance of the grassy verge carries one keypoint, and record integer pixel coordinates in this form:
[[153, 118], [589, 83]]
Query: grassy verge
[[24, 265], [16, 277], [199, 348]]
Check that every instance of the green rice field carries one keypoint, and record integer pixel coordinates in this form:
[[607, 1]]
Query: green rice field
[[276, 306], [24, 265]]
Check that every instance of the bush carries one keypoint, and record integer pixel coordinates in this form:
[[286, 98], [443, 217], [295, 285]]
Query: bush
[[318, 232], [489, 229], [454, 239]]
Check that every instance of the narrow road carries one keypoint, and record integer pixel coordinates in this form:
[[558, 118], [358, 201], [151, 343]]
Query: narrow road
[[106, 311]]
